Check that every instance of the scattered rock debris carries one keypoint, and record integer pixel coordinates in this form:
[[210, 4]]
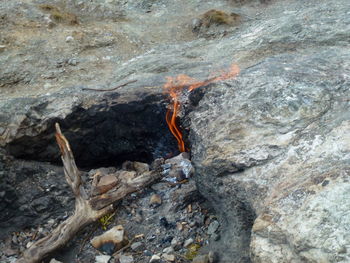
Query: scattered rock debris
[[167, 222]]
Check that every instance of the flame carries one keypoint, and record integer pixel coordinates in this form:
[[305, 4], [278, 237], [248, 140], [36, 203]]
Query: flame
[[175, 86]]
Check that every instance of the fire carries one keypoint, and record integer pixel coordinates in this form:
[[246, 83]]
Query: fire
[[175, 86]]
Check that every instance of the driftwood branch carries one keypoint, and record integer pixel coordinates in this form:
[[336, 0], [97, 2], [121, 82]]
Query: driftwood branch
[[87, 209]]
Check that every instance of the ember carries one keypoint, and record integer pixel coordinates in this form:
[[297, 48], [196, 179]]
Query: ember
[[175, 86]]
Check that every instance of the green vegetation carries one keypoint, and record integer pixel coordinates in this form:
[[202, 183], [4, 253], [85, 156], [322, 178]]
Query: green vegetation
[[106, 220], [219, 18], [59, 15]]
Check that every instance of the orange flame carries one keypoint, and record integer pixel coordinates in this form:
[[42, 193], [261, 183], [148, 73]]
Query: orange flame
[[175, 86]]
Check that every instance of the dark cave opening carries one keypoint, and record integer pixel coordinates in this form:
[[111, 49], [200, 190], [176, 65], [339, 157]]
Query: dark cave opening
[[105, 134]]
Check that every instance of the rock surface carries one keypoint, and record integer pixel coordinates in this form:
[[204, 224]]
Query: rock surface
[[271, 148]]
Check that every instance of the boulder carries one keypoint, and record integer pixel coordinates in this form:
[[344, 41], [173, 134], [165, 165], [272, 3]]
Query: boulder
[[271, 149]]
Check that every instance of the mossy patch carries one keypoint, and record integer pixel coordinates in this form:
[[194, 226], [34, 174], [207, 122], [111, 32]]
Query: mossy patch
[[218, 17], [59, 15]]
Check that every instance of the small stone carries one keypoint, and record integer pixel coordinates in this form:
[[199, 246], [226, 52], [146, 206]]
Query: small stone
[[29, 244], [168, 257], [14, 239], [201, 259], [102, 259], [188, 242], [155, 200], [2, 48], [168, 250], [176, 244], [137, 246], [54, 261], [213, 227], [141, 167], [69, 39], [155, 259], [106, 183], [147, 253], [126, 259], [113, 239], [215, 237], [72, 62]]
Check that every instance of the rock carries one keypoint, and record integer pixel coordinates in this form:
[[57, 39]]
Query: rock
[[126, 259], [188, 242], [69, 39], [137, 246], [168, 257], [155, 259], [102, 259], [2, 48], [42, 204], [138, 167], [213, 227], [215, 237], [279, 134], [106, 183], [72, 62], [201, 259], [141, 168], [155, 200], [168, 250], [176, 244], [54, 261], [29, 244], [110, 241]]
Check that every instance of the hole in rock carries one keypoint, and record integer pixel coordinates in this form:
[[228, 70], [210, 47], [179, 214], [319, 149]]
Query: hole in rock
[[105, 134]]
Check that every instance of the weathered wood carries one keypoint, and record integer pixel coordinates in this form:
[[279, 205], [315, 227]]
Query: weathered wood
[[87, 210]]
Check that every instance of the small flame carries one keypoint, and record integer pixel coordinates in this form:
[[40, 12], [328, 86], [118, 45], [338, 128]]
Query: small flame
[[175, 86]]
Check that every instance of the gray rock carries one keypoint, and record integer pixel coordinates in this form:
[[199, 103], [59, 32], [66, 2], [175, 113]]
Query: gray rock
[[126, 259], [137, 246], [102, 259], [271, 149], [188, 242], [155, 259], [213, 227], [168, 250], [169, 257], [54, 261]]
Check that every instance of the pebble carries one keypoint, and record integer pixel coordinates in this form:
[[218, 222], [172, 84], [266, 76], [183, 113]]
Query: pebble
[[69, 39], [176, 244], [137, 246], [168, 250], [29, 244], [126, 259], [168, 257], [215, 237], [72, 62], [155, 200], [213, 227], [2, 48], [54, 261], [102, 259], [188, 242], [155, 259]]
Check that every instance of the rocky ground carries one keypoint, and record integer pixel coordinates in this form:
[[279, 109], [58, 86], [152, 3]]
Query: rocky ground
[[270, 148]]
